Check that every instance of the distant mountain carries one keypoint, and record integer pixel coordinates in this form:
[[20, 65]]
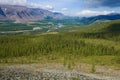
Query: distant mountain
[[88, 20], [22, 13]]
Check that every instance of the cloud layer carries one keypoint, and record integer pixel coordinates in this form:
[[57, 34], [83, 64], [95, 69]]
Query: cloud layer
[[71, 7], [24, 2], [103, 3], [93, 13], [13, 2], [34, 5], [64, 9]]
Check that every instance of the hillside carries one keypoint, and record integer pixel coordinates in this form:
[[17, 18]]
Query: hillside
[[93, 50], [102, 29], [57, 46], [89, 20]]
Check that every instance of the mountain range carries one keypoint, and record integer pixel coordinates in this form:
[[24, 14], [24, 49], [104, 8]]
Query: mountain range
[[25, 14], [22, 13], [112, 16]]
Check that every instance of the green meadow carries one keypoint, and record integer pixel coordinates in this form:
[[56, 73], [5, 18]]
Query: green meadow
[[97, 44]]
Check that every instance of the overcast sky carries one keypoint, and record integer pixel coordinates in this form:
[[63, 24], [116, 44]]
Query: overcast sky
[[71, 7]]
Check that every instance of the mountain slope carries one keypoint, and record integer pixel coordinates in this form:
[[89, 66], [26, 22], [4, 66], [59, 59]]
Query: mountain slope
[[22, 13], [88, 20]]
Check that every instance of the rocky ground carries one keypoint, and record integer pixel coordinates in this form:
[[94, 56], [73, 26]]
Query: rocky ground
[[27, 72]]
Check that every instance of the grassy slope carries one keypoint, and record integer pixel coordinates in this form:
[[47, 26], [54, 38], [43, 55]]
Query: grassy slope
[[98, 45]]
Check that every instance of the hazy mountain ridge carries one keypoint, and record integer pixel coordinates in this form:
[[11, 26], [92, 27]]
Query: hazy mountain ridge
[[88, 20], [22, 13]]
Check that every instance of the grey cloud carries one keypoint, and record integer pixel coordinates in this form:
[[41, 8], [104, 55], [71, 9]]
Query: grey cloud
[[103, 3]]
